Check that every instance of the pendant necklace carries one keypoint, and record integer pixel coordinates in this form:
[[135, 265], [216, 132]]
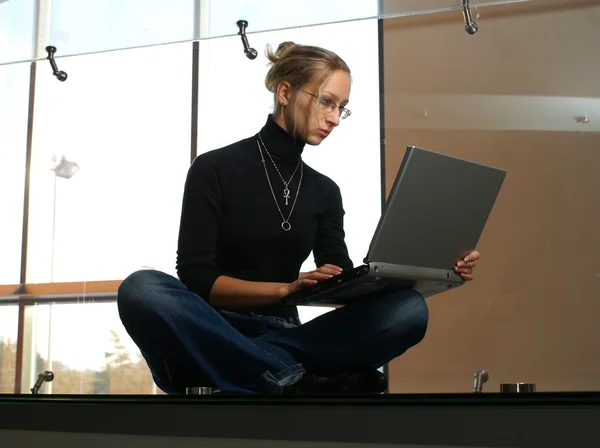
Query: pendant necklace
[[286, 190], [285, 224]]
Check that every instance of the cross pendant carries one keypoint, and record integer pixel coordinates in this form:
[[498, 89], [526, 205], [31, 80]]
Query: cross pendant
[[286, 195]]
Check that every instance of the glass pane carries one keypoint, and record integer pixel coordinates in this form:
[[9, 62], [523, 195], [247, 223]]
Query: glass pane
[[90, 26], [80, 27], [14, 103], [221, 87], [9, 321], [128, 132], [515, 97], [88, 350], [17, 20], [397, 8], [269, 15]]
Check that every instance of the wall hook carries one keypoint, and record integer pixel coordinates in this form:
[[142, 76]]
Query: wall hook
[[471, 27], [251, 53], [481, 377], [47, 376], [60, 75]]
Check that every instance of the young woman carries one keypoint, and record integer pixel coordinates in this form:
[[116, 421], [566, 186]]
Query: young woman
[[252, 213]]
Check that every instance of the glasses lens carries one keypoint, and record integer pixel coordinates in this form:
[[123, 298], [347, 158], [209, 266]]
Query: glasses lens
[[327, 104], [345, 113]]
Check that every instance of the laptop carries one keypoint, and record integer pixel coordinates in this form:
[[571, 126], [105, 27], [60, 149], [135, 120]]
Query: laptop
[[434, 216]]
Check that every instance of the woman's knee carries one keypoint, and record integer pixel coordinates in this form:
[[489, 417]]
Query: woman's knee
[[141, 291], [419, 314], [410, 318]]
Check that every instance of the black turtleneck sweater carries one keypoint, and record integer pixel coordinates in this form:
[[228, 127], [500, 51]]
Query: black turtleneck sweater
[[230, 224]]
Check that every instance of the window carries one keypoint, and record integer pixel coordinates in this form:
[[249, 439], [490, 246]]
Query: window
[[124, 119], [87, 349], [80, 27], [14, 101], [16, 31], [279, 14], [350, 156], [9, 315]]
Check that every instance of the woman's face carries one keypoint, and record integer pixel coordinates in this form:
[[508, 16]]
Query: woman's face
[[317, 114]]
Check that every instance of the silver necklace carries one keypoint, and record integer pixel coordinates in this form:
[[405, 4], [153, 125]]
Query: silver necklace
[[286, 190], [285, 224]]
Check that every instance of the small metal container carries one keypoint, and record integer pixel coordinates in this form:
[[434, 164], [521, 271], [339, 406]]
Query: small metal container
[[199, 391]]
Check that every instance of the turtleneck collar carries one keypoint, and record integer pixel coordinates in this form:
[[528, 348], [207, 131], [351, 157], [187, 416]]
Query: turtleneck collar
[[282, 146]]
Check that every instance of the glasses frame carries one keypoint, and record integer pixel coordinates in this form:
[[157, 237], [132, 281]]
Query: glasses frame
[[344, 112]]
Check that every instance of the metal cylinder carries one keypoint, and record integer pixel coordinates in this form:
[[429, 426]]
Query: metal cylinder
[[198, 390], [517, 388]]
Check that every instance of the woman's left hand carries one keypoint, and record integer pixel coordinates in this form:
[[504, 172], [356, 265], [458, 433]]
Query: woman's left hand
[[466, 266]]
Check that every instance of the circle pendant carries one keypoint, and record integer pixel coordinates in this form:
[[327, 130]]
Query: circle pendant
[[286, 226]]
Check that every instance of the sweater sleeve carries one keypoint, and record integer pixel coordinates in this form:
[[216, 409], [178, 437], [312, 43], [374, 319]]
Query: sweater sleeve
[[330, 246], [198, 229]]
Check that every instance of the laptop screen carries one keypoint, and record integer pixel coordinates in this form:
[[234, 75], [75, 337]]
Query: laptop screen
[[436, 211]]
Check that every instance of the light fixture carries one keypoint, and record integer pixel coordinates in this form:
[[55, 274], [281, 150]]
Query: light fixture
[[65, 169], [582, 119]]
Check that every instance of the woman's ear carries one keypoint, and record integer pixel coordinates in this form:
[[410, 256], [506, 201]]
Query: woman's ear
[[284, 93]]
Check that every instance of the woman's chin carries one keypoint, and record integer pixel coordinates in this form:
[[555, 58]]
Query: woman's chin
[[314, 140]]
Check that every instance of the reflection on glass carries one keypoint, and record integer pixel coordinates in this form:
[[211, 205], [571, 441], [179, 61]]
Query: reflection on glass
[[9, 319], [511, 97], [128, 132], [80, 27], [88, 350], [16, 30], [14, 101]]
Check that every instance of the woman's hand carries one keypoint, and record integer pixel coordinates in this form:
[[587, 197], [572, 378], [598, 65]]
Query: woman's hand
[[466, 266], [311, 278]]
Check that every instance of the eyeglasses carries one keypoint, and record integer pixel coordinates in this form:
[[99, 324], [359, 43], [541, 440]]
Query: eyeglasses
[[330, 106]]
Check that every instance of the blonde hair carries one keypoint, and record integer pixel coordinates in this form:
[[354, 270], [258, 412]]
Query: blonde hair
[[299, 65]]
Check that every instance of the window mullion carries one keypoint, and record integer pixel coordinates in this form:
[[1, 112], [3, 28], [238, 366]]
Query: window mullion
[[43, 24]]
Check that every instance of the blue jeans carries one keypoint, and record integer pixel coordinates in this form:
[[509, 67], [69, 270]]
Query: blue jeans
[[187, 342]]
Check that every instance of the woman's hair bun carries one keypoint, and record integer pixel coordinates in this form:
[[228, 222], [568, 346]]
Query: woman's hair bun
[[283, 47], [276, 61]]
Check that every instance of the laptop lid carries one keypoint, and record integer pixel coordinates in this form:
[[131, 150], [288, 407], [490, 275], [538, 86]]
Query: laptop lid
[[436, 210]]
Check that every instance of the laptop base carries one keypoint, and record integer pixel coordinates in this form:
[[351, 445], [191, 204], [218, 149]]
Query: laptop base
[[375, 278]]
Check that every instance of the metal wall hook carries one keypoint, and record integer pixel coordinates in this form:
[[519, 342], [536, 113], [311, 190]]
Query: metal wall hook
[[471, 26], [60, 75], [481, 377], [251, 53], [44, 376]]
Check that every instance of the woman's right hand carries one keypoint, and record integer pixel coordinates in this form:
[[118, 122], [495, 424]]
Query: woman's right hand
[[311, 278]]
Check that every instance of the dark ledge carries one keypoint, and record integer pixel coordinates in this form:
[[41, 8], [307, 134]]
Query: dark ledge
[[492, 420]]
